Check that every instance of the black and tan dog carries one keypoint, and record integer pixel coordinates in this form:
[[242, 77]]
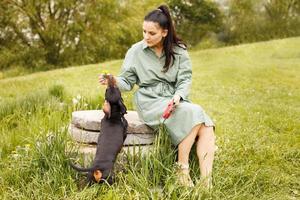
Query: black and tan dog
[[111, 138]]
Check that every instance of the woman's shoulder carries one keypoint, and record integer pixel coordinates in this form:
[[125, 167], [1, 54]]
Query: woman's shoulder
[[136, 47], [181, 50]]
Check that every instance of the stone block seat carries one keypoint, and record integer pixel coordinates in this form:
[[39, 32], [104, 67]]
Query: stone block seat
[[85, 129]]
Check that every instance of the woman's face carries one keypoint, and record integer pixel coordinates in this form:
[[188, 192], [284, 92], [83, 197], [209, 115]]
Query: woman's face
[[153, 33]]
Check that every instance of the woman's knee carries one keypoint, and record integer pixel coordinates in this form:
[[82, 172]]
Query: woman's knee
[[190, 138], [206, 132]]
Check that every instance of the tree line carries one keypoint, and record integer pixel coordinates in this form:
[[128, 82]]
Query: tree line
[[46, 34]]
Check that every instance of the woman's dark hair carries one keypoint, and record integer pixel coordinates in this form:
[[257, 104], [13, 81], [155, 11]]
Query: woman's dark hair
[[162, 16]]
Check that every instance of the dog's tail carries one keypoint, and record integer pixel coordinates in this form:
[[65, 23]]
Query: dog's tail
[[81, 169]]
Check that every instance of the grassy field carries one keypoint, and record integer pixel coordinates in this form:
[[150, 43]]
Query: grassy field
[[251, 91]]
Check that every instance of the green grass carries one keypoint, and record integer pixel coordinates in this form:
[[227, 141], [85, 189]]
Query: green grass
[[251, 91]]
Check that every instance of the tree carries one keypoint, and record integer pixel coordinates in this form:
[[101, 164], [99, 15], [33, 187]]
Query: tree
[[243, 21], [283, 17], [195, 18], [251, 21], [64, 32], [46, 25]]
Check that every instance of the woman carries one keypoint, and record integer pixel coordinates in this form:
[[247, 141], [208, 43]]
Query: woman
[[161, 67]]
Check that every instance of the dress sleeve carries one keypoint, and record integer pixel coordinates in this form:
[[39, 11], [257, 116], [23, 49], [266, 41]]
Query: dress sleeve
[[184, 76], [127, 77]]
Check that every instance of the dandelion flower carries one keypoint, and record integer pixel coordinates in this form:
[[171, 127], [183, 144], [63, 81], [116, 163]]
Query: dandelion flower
[[75, 101]]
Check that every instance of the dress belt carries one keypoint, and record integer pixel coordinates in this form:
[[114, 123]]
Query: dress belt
[[162, 88]]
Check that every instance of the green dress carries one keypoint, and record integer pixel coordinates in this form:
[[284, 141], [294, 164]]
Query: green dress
[[143, 67]]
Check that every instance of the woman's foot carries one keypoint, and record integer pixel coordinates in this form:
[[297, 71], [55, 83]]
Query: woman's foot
[[183, 175], [205, 182]]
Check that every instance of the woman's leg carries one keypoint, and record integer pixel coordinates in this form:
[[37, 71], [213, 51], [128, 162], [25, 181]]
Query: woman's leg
[[184, 149], [186, 144], [205, 152]]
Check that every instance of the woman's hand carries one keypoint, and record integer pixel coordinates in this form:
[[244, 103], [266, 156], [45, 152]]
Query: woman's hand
[[176, 99], [102, 79]]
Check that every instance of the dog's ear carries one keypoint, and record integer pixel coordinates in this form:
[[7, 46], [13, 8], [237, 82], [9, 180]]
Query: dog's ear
[[122, 106], [106, 108]]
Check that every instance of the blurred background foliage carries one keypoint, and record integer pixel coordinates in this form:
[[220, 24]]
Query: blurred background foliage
[[39, 35]]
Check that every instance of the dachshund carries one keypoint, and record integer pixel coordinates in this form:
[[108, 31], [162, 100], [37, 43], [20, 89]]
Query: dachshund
[[111, 139]]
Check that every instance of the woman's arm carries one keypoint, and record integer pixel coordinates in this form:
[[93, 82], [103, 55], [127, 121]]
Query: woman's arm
[[127, 77], [184, 76]]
